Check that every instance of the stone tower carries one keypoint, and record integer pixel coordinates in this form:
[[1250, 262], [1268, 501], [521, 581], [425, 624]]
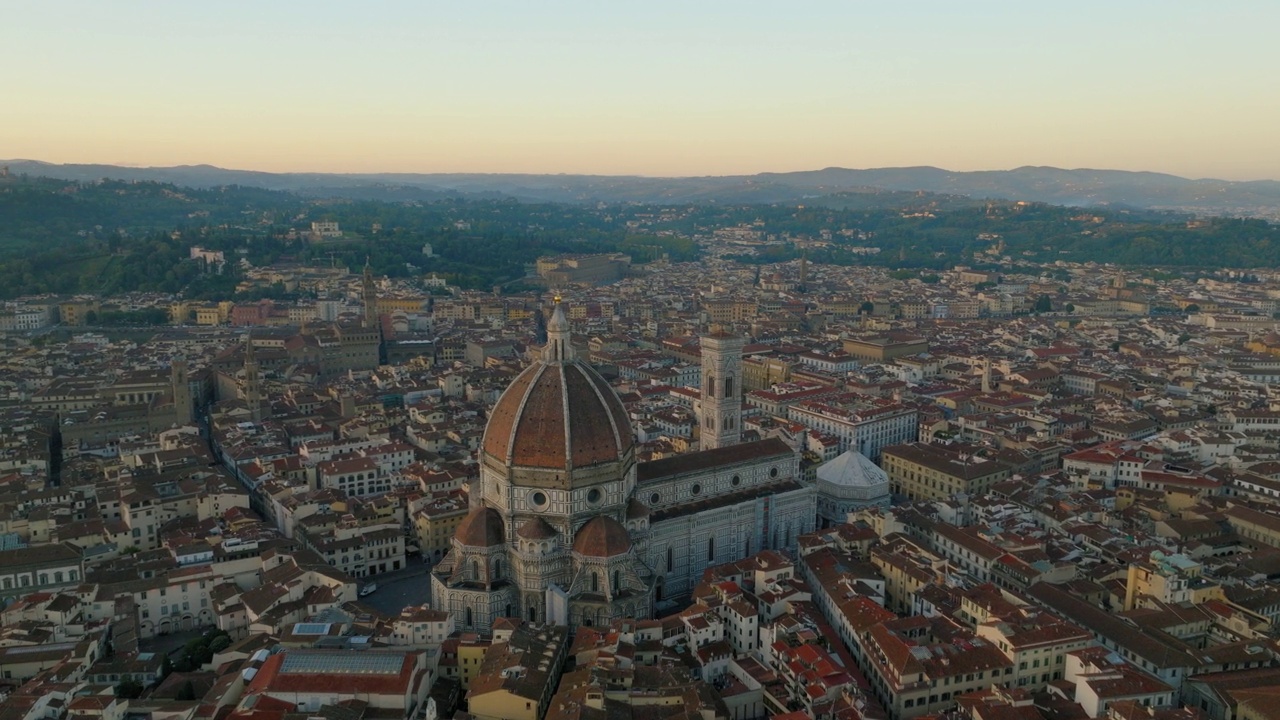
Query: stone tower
[[182, 412], [252, 382], [369, 294], [721, 390]]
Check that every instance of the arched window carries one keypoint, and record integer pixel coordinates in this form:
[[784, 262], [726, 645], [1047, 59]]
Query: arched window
[[711, 386], [728, 387], [533, 614], [671, 559], [508, 612], [711, 549], [595, 582], [469, 619], [617, 581], [475, 572]]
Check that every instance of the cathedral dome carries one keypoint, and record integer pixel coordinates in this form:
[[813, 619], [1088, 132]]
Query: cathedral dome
[[602, 537], [637, 510], [481, 527], [559, 414], [536, 529]]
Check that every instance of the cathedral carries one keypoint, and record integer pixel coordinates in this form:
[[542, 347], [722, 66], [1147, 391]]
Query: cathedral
[[565, 526]]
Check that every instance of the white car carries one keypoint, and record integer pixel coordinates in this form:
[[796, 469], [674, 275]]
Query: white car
[[369, 589]]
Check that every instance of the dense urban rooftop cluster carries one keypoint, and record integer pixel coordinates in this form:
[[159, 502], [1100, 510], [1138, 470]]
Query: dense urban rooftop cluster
[[1046, 493]]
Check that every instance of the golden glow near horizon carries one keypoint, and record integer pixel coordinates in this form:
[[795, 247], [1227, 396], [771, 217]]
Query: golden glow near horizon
[[657, 89]]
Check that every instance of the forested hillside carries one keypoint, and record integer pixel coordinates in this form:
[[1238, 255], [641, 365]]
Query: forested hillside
[[110, 237]]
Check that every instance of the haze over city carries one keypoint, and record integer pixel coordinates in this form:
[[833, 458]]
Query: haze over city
[[647, 88], [639, 361]]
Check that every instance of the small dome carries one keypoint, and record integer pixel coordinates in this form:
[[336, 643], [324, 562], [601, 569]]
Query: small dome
[[852, 476], [602, 537], [536, 529], [481, 527], [637, 510]]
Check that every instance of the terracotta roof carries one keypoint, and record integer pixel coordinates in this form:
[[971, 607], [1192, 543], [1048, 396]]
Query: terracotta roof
[[558, 415], [536, 529], [705, 459], [636, 509], [603, 537], [481, 527]]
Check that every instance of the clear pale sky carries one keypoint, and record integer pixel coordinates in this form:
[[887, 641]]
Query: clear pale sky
[[652, 88]]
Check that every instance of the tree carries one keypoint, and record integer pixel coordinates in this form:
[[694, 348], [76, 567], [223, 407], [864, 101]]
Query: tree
[[129, 689], [1043, 304], [1070, 307], [867, 307], [1192, 308], [166, 666], [186, 692], [220, 643]]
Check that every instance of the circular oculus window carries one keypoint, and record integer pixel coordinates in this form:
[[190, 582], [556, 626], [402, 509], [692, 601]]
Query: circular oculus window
[[537, 498]]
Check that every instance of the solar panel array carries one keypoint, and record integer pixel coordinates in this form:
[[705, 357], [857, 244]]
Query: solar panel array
[[343, 663]]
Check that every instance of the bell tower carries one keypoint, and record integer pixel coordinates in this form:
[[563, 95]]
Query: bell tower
[[369, 294], [252, 382], [181, 392], [721, 390]]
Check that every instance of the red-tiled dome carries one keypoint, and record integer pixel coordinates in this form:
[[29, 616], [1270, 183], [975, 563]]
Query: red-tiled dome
[[558, 416], [636, 510], [481, 527], [536, 529], [602, 537]]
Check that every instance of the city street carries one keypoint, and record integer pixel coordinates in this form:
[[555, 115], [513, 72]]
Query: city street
[[410, 586]]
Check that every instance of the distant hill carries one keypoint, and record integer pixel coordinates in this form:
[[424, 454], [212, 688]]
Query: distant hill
[[1080, 187]]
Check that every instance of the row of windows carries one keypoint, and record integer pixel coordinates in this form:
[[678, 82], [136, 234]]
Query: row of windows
[[42, 579], [696, 489]]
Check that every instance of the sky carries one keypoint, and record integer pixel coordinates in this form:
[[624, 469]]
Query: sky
[[698, 87]]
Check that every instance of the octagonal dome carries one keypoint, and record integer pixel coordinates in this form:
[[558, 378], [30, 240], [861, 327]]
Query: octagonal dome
[[602, 537], [482, 527], [558, 414]]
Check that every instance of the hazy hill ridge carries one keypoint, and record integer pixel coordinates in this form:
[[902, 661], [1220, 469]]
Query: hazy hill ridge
[[1043, 184]]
